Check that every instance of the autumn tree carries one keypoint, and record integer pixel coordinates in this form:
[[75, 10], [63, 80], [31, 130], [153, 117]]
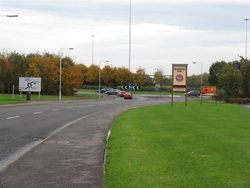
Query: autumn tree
[[140, 77], [122, 76], [92, 75], [158, 77], [108, 76]]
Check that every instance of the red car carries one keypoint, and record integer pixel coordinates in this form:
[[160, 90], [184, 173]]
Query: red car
[[128, 95], [121, 93]]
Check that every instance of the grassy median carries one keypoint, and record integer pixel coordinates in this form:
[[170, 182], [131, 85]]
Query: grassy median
[[191, 147], [8, 98]]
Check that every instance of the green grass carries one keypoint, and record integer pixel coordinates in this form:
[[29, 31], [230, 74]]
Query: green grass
[[199, 146], [7, 98]]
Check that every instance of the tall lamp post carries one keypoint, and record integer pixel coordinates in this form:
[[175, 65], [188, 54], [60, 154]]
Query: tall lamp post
[[93, 46], [201, 79], [60, 70], [10, 15], [99, 85], [246, 19], [130, 37]]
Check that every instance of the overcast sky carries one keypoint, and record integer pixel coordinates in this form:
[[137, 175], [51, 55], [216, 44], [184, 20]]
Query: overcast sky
[[163, 31]]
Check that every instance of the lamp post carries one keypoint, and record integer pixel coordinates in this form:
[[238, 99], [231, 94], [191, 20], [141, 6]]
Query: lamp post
[[93, 45], [10, 15], [201, 79], [130, 37], [246, 19], [99, 85], [60, 71]]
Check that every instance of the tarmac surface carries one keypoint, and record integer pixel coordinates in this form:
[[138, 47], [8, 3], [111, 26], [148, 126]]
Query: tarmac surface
[[72, 154]]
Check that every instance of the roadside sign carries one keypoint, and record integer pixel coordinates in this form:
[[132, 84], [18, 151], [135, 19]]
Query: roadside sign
[[209, 90], [179, 80], [130, 87], [30, 84], [179, 76]]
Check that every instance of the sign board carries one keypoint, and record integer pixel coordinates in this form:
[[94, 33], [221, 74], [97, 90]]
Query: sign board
[[130, 87], [30, 84], [209, 90], [179, 76]]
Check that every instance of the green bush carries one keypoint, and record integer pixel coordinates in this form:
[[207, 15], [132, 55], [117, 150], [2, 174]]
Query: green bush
[[240, 100]]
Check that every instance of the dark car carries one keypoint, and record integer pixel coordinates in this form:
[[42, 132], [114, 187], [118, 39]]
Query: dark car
[[112, 92], [193, 93]]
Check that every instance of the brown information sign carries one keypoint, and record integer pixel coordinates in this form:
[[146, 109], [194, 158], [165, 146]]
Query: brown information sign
[[179, 76]]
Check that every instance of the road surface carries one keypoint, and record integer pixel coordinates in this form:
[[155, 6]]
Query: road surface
[[58, 144]]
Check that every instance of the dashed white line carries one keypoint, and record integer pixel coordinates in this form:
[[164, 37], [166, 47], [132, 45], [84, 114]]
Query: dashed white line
[[13, 117], [54, 110], [35, 113]]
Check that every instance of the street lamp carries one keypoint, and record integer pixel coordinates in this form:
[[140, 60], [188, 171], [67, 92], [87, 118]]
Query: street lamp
[[201, 79], [9, 15], [99, 91], [130, 37], [93, 45], [60, 70], [246, 19]]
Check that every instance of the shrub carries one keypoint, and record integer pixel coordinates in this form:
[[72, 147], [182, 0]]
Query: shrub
[[240, 100]]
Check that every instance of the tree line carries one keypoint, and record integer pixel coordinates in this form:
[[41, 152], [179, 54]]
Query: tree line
[[232, 78], [46, 65]]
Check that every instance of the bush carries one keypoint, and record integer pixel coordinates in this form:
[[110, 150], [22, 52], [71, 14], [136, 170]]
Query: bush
[[222, 95], [240, 100]]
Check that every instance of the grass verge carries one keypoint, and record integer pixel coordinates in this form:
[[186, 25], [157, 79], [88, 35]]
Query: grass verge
[[7, 98], [196, 146]]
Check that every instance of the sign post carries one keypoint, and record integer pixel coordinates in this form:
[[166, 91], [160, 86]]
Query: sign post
[[179, 80], [29, 84], [209, 91]]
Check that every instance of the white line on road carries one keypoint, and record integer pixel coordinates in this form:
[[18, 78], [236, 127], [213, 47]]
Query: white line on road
[[37, 113], [54, 110], [13, 117]]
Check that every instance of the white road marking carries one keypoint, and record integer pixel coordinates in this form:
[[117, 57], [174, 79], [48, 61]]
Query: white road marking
[[37, 113], [13, 117], [54, 110]]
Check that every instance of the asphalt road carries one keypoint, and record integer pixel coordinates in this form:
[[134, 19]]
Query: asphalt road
[[58, 144]]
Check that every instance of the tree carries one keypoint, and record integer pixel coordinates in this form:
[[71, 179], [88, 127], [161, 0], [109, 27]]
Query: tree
[[214, 73], [92, 75], [230, 80], [140, 77], [72, 78], [245, 71], [122, 76], [158, 77], [108, 76]]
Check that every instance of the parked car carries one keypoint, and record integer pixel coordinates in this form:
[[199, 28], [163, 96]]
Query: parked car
[[121, 93], [104, 90], [112, 92], [128, 95], [193, 93]]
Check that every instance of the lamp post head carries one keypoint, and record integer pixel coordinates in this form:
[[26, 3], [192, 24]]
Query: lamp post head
[[12, 16]]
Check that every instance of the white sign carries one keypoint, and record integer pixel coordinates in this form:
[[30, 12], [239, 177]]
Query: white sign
[[30, 84]]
